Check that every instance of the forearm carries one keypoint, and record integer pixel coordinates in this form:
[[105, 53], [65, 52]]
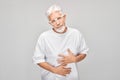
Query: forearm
[[80, 57], [47, 66], [61, 70]]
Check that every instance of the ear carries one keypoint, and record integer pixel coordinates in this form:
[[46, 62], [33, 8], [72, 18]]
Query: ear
[[49, 18], [65, 16]]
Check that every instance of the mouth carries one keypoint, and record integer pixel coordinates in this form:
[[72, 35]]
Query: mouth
[[59, 25]]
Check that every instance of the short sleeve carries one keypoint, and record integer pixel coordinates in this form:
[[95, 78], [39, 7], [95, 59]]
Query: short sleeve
[[39, 53], [83, 48]]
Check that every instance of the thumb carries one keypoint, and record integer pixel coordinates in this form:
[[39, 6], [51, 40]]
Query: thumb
[[69, 51]]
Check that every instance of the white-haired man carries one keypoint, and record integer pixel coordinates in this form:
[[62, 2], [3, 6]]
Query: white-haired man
[[59, 49]]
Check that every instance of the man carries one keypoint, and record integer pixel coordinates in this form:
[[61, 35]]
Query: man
[[59, 49]]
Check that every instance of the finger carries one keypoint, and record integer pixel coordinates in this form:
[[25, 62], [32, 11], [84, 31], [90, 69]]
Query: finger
[[63, 61], [68, 71], [61, 55], [69, 51], [64, 64], [67, 68], [60, 61]]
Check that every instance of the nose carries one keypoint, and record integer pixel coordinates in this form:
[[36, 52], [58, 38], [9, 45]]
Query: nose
[[57, 22]]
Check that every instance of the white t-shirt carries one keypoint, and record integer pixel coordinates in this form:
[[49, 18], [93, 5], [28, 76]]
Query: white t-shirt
[[50, 44]]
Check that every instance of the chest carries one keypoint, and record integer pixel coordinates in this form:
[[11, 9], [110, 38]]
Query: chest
[[58, 45]]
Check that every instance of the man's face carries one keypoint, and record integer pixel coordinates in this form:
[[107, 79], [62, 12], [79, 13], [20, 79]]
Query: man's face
[[57, 19]]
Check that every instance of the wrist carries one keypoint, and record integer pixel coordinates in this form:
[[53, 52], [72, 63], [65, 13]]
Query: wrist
[[75, 59], [53, 70]]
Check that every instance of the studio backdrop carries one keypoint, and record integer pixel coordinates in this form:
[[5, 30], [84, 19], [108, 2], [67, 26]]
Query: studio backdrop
[[22, 21]]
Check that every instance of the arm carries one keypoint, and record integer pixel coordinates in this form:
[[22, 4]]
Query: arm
[[80, 57], [61, 70], [39, 59], [71, 58], [47, 66]]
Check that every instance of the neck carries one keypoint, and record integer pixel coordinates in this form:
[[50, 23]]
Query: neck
[[64, 27]]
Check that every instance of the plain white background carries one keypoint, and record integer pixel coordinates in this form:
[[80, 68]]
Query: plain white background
[[22, 21]]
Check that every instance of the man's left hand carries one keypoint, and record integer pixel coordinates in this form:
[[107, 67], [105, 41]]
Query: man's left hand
[[70, 58]]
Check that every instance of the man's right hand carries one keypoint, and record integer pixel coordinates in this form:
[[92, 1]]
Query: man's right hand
[[62, 70]]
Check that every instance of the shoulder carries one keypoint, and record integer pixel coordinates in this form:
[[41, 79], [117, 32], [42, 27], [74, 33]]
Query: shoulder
[[75, 31], [44, 34]]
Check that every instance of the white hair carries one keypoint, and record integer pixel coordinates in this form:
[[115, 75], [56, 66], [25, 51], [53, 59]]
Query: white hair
[[53, 8]]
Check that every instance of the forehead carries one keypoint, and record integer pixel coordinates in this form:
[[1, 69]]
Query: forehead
[[54, 15]]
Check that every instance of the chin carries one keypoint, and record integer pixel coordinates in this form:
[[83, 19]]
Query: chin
[[58, 26]]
